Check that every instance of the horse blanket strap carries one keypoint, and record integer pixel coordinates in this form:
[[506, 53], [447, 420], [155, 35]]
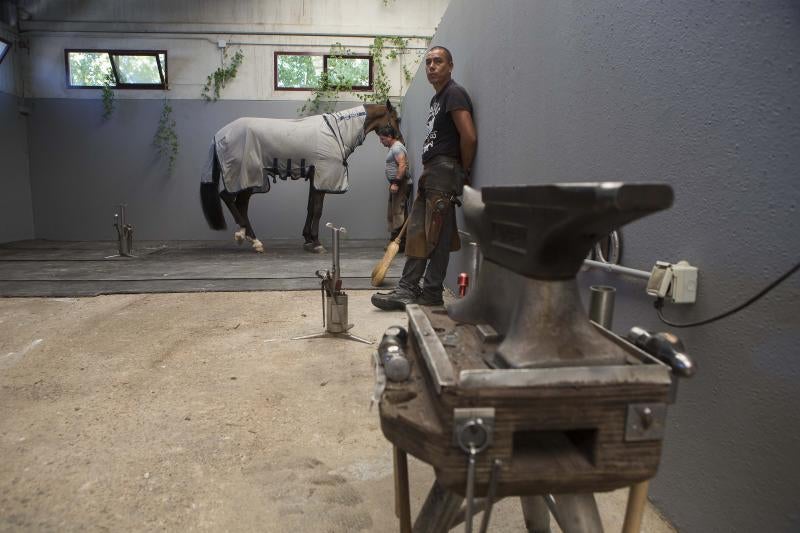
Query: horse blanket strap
[[250, 150]]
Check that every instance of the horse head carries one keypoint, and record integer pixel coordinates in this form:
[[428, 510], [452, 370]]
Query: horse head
[[379, 115]]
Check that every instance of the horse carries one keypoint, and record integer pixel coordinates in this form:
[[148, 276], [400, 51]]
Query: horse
[[248, 151]]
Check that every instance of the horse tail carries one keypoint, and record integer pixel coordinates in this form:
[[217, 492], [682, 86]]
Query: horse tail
[[209, 197]]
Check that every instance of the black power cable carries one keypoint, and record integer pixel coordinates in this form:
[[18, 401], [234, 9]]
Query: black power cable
[[660, 303]]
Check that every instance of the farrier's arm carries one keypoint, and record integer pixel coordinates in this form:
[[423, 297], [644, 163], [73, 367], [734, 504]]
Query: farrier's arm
[[400, 159], [402, 165], [469, 138]]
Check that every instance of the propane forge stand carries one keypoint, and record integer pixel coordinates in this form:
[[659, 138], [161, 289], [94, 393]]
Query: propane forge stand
[[334, 299]]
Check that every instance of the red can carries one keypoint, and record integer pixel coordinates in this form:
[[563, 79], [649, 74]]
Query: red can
[[463, 283]]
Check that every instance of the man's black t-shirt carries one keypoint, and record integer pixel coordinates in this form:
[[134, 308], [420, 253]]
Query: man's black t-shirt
[[443, 138]]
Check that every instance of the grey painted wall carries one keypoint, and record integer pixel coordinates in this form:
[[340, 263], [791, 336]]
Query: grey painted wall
[[82, 166], [705, 96], [16, 214]]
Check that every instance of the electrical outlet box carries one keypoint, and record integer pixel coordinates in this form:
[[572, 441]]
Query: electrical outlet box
[[660, 279], [222, 43], [684, 283]]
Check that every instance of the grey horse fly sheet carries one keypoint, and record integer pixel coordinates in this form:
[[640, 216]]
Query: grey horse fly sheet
[[251, 150]]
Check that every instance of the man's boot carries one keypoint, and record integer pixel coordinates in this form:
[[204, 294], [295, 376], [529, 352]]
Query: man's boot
[[394, 300]]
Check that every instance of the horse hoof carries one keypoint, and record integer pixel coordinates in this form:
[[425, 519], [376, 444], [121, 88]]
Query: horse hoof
[[238, 236], [258, 246]]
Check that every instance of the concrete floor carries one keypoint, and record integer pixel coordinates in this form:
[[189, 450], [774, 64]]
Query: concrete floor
[[89, 268], [195, 411]]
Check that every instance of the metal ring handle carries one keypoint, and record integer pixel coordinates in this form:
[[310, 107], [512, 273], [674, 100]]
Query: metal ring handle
[[613, 249]]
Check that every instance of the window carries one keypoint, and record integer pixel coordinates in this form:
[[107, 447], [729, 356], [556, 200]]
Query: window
[[301, 71], [124, 69], [297, 70], [5, 46]]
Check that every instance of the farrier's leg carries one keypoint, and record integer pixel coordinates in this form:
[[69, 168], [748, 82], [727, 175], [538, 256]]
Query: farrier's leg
[[433, 282]]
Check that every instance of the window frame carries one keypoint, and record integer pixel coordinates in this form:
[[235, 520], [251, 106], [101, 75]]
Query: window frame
[[5, 52], [163, 71], [325, 57]]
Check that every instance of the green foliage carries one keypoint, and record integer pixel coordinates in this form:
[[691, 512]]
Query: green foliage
[[108, 96], [166, 139], [299, 71], [343, 74], [89, 68], [382, 88], [138, 69], [329, 84], [218, 79], [323, 98]]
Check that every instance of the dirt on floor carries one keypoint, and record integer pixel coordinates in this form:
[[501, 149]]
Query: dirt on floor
[[187, 412]]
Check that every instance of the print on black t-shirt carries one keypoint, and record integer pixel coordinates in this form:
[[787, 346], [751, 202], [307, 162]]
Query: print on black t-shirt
[[442, 135]]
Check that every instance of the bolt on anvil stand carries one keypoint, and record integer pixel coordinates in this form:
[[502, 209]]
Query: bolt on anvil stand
[[515, 391], [334, 298]]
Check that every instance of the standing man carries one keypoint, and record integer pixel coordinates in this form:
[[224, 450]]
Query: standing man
[[447, 155], [399, 179]]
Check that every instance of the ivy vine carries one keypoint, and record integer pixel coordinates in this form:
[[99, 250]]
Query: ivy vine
[[218, 79], [108, 96], [324, 96], [166, 139]]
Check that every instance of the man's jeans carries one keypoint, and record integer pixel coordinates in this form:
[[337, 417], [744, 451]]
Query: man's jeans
[[433, 284]]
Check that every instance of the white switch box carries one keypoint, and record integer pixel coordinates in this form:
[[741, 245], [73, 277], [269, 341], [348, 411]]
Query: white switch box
[[684, 283]]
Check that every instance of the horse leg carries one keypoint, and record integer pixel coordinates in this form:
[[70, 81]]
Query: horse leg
[[313, 214], [242, 204], [230, 201]]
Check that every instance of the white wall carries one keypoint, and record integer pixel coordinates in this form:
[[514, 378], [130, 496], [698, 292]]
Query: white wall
[[258, 28]]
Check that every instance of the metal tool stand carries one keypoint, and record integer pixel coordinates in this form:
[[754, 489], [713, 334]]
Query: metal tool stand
[[334, 299], [124, 234]]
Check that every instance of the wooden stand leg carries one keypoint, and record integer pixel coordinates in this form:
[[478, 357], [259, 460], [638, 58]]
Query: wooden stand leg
[[402, 503], [537, 516], [437, 513], [637, 499]]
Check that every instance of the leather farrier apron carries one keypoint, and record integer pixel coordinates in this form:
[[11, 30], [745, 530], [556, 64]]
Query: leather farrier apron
[[442, 178]]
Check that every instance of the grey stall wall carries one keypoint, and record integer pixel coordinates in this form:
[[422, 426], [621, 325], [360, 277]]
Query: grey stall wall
[[702, 95], [16, 213], [83, 165]]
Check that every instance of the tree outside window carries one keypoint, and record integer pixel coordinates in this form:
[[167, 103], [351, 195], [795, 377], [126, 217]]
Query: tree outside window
[[305, 72], [116, 68]]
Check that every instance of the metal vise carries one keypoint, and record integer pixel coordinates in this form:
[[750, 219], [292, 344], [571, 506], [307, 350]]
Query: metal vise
[[534, 240]]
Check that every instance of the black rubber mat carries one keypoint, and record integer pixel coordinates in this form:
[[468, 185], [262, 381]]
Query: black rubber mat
[[62, 269]]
